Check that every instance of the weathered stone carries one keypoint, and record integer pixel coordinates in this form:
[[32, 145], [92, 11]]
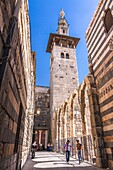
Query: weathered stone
[[42, 119], [1, 149], [100, 60], [17, 80]]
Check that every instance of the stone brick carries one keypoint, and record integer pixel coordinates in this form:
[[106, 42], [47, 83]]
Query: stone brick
[[11, 124], [8, 7], [15, 96], [1, 132], [100, 60], [5, 149], [98, 119], [14, 128], [11, 149], [1, 149]]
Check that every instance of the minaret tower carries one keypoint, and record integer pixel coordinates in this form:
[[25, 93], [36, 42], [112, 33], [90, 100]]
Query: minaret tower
[[63, 66]]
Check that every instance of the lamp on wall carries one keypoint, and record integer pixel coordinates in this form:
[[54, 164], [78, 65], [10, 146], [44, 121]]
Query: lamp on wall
[[38, 112]]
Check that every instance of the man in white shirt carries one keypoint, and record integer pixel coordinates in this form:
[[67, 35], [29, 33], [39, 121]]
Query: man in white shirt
[[67, 148]]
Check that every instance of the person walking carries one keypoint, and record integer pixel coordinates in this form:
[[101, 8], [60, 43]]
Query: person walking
[[79, 148], [67, 148], [34, 146]]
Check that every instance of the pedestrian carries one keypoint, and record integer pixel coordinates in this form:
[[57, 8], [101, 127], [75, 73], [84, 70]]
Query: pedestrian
[[67, 148], [33, 149], [40, 146], [79, 148]]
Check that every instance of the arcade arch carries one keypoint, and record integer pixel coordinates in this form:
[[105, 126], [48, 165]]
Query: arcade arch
[[95, 125]]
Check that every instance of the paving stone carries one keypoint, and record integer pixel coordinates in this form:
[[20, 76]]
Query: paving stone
[[50, 160]]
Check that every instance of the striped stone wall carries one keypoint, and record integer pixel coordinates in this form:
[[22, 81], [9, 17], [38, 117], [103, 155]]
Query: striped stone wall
[[100, 54]]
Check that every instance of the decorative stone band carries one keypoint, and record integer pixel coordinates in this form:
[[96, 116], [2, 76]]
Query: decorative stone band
[[111, 43]]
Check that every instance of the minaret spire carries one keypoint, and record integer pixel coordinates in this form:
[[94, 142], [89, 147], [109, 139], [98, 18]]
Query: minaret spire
[[62, 13], [63, 26]]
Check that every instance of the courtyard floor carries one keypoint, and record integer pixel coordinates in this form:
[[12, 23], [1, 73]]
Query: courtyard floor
[[55, 161]]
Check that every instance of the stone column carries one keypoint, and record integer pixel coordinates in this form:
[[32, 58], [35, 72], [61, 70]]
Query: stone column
[[40, 136], [64, 126], [63, 130], [60, 126], [53, 123], [56, 135], [71, 128], [46, 137], [97, 130]]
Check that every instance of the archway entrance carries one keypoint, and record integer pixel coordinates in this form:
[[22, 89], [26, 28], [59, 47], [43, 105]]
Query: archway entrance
[[41, 138]]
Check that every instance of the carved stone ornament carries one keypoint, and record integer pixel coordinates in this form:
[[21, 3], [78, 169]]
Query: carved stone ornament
[[91, 78], [111, 43]]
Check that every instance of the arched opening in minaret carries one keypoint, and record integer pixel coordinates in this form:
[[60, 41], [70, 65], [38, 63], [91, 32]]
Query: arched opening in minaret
[[63, 31], [67, 56], [62, 55]]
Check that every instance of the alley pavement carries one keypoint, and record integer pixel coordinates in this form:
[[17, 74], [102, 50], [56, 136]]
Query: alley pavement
[[55, 161]]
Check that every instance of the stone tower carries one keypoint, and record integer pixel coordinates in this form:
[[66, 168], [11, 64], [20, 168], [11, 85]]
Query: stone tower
[[63, 66]]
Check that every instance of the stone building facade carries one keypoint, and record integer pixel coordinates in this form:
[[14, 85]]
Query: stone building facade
[[78, 118], [72, 121], [17, 82], [99, 37], [42, 123], [63, 66]]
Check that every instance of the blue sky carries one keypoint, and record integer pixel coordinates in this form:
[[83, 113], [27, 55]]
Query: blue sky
[[44, 16]]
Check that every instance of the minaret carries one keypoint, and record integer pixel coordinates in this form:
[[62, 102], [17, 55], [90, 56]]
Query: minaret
[[63, 66], [63, 26]]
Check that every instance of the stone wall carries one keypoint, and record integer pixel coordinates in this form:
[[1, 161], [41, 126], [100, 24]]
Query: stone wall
[[42, 121], [79, 118], [99, 37], [16, 83], [64, 75], [69, 122]]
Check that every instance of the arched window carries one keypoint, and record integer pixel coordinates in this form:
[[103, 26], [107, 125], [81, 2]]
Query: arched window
[[63, 31], [67, 56], [62, 55], [108, 20]]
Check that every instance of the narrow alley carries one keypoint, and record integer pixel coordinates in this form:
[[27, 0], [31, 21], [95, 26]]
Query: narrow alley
[[57, 104], [55, 161]]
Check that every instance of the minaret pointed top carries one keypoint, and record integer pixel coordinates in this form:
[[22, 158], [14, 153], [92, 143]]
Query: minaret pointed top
[[62, 13], [63, 26]]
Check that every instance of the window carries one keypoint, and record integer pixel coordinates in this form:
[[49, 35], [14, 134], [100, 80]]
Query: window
[[61, 76], [67, 56], [71, 66], [108, 20], [63, 31], [62, 55]]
